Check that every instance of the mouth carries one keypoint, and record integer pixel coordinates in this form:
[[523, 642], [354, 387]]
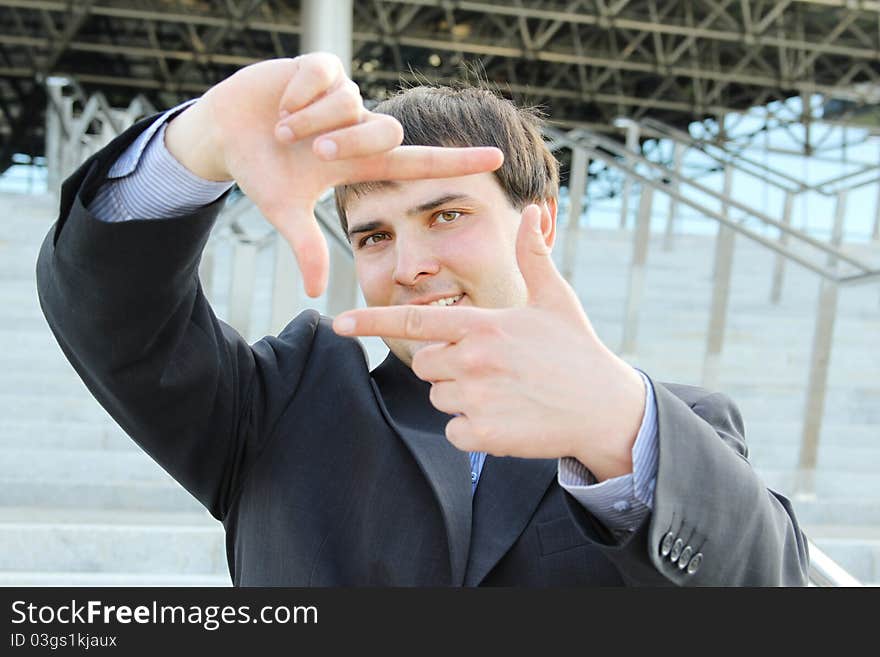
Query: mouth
[[447, 301]]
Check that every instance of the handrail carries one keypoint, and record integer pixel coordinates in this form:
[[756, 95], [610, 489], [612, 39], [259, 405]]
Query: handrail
[[824, 571], [826, 187], [701, 145], [599, 148], [827, 262]]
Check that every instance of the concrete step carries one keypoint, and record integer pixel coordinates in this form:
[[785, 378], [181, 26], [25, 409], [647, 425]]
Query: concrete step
[[829, 484], [832, 457], [35, 579], [854, 513], [36, 433], [77, 465], [127, 496], [89, 478], [57, 408], [90, 541]]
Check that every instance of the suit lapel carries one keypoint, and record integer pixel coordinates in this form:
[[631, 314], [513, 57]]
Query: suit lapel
[[509, 491], [403, 398]]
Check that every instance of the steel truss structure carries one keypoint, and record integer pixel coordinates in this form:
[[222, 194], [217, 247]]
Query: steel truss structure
[[585, 61]]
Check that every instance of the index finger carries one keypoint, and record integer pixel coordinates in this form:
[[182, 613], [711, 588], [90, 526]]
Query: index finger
[[410, 322], [410, 162]]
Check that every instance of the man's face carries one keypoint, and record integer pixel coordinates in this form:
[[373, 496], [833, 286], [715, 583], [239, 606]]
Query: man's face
[[447, 239]]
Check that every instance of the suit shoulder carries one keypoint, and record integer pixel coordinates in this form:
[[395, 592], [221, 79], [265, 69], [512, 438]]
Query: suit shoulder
[[309, 340]]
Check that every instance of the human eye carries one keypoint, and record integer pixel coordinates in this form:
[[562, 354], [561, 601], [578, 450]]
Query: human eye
[[447, 216], [368, 240]]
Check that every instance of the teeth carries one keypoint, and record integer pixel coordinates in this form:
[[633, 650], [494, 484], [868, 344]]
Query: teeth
[[448, 301]]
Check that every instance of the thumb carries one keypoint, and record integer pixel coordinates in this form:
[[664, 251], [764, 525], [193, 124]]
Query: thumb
[[545, 285], [301, 230]]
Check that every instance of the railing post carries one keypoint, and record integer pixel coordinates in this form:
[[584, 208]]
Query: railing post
[[720, 291], [632, 145], [805, 484], [342, 289], [241, 290], [577, 188], [54, 135], [327, 26], [837, 230], [206, 271], [875, 231], [669, 234], [820, 360], [779, 267], [287, 295], [637, 272]]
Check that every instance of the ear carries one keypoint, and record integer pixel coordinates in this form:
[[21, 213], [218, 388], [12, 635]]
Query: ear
[[548, 220]]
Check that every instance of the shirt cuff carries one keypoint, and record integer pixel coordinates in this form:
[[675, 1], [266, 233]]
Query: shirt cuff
[[147, 182], [620, 503]]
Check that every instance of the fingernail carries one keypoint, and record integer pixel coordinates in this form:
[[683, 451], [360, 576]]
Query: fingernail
[[343, 325], [327, 149], [284, 133]]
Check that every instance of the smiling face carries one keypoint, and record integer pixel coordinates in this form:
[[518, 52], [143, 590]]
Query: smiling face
[[437, 240], [440, 239]]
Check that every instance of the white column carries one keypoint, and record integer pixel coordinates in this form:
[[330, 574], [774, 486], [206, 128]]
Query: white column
[[632, 145], [326, 27], [577, 187]]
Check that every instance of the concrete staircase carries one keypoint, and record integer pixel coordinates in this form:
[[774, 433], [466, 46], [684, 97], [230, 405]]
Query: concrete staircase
[[81, 505]]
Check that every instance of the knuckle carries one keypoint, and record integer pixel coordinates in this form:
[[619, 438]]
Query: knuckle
[[484, 433], [412, 322], [473, 361], [351, 87], [457, 435], [301, 122], [421, 363], [476, 394], [322, 70], [490, 331], [396, 130], [453, 434], [351, 104]]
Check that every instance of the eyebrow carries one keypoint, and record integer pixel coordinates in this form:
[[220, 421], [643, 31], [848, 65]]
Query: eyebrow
[[416, 210]]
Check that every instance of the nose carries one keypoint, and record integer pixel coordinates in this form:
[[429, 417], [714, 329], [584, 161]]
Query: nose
[[414, 261]]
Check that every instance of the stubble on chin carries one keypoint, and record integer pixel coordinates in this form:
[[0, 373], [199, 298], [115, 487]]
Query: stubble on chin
[[405, 350]]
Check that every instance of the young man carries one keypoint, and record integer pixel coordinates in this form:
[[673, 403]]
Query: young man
[[500, 443]]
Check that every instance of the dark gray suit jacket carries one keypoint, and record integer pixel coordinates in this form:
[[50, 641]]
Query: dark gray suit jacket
[[324, 473]]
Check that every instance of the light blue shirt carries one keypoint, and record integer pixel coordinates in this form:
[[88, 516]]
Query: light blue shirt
[[146, 181]]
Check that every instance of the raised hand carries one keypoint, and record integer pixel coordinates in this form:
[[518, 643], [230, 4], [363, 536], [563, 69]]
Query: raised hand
[[532, 382], [286, 130]]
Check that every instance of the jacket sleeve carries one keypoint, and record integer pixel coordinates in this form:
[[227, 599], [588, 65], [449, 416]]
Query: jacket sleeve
[[126, 306], [714, 523]]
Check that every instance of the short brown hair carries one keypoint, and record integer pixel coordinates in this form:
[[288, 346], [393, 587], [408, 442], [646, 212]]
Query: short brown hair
[[472, 116]]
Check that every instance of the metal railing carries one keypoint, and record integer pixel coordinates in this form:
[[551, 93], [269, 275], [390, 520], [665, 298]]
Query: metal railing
[[824, 571], [827, 261], [79, 125], [837, 186]]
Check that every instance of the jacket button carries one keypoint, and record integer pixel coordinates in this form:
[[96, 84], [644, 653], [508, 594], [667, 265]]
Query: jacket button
[[685, 557], [694, 564], [666, 544], [676, 550]]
